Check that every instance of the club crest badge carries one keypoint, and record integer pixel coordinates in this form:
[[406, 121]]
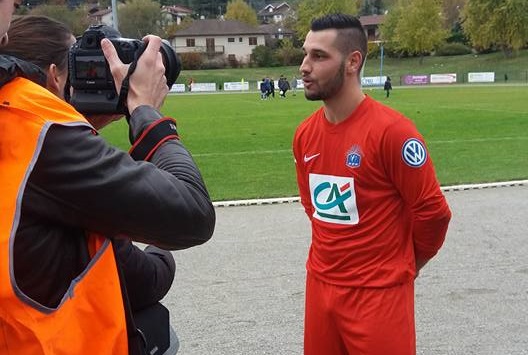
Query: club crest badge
[[353, 158], [414, 153]]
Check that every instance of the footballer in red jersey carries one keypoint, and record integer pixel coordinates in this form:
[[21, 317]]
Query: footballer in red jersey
[[368, 186]]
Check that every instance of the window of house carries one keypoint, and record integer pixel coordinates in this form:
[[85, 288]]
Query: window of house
[[371, 34], [252, 41], [231, 39], [240, 39], [190, 42]]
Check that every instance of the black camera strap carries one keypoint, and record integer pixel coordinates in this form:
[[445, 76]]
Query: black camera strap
[[125, 85]]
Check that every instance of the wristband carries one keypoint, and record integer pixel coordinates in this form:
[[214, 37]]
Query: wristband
[[152, 137]]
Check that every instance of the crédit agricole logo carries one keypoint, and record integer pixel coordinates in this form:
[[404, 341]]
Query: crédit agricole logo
[[334, 199]]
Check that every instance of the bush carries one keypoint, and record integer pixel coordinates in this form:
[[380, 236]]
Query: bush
[[233, 62], [217, 62], [191, 61], [262, 56], [454, 48], [373, 50], [289, 56]]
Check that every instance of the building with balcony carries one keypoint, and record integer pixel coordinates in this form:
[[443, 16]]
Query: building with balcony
[[234, 40]]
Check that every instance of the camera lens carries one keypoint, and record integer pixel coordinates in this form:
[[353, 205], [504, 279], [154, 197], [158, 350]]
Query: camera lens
[[171, 61]]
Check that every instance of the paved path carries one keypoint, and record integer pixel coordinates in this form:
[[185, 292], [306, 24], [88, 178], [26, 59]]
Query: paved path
[[242, 293]]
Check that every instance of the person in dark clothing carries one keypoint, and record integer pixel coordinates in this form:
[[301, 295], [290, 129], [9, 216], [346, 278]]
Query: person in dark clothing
[[284, 86], [387, 86], [271, 87], [72, 197], [264, 88]]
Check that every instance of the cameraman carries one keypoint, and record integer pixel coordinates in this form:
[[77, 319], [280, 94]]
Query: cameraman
[[45, 42], [63, 188]]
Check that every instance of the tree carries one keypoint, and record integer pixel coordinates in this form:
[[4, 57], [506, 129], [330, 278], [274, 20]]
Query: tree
[[262, 56], [452, 10], [287, 54], [169, 30], [371, 7], [208, 8], [310, 9], [258, 4], [499, 24], [239, 10], [75, 19], [415, 27], [138, 18]]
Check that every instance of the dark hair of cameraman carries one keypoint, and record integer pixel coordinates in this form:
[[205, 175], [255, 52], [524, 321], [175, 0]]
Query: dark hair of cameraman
[[29, 35]]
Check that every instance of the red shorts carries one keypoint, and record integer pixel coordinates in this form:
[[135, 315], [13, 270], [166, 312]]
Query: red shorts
[[345, 320]]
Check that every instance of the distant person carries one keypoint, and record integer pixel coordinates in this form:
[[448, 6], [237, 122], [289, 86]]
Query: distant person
[[271, 88], [293, 86], [264, 88], [284, 86], [387, 86], [369, 189]]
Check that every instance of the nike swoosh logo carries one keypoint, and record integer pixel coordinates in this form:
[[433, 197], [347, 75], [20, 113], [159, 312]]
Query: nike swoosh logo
[[307, 158]]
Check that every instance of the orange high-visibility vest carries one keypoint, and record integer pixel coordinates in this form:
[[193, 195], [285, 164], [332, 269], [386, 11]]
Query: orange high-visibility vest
[[91, 317]]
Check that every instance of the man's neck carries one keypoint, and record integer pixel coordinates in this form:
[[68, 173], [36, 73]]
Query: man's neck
[[338, 108]]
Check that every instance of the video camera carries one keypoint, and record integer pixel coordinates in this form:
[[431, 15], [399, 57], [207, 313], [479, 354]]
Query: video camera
[[92, 84]]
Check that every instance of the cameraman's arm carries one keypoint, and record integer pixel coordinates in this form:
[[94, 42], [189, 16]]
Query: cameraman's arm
[[148, 274], [82, 182]]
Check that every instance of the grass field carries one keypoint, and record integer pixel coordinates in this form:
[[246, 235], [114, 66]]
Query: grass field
[[243, 144]]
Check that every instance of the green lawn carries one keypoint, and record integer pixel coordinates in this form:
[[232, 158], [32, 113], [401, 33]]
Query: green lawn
[[243, 145]]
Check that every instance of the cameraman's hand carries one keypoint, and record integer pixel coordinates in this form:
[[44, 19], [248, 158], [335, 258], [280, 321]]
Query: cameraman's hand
[[147, 85]]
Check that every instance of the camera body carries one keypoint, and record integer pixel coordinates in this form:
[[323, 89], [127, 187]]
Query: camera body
[[92, 85]]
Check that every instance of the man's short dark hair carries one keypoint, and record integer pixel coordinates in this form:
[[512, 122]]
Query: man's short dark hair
[[350, 35]]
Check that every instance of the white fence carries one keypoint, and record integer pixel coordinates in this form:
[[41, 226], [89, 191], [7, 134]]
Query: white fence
[[368, 81]]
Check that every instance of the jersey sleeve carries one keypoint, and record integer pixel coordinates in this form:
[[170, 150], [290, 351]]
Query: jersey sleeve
[[411, 170], [302, 178]]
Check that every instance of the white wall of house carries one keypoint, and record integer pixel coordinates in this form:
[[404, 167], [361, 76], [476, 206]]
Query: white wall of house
[[239, 46], [104, 19], [107, 19], [277, 18]]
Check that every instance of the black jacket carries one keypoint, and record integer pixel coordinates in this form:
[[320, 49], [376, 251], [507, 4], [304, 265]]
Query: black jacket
[[80, 183]]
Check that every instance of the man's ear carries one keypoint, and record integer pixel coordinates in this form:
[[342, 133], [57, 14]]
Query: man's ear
[[353, 63], [52, 82]]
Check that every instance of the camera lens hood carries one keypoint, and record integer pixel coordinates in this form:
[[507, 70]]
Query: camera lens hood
[[171, 61]]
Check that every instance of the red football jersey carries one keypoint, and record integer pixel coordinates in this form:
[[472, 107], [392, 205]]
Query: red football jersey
[[370, 190]]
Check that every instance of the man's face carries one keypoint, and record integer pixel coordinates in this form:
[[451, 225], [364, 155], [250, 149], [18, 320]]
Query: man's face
[[323, 65], [7, 7]]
